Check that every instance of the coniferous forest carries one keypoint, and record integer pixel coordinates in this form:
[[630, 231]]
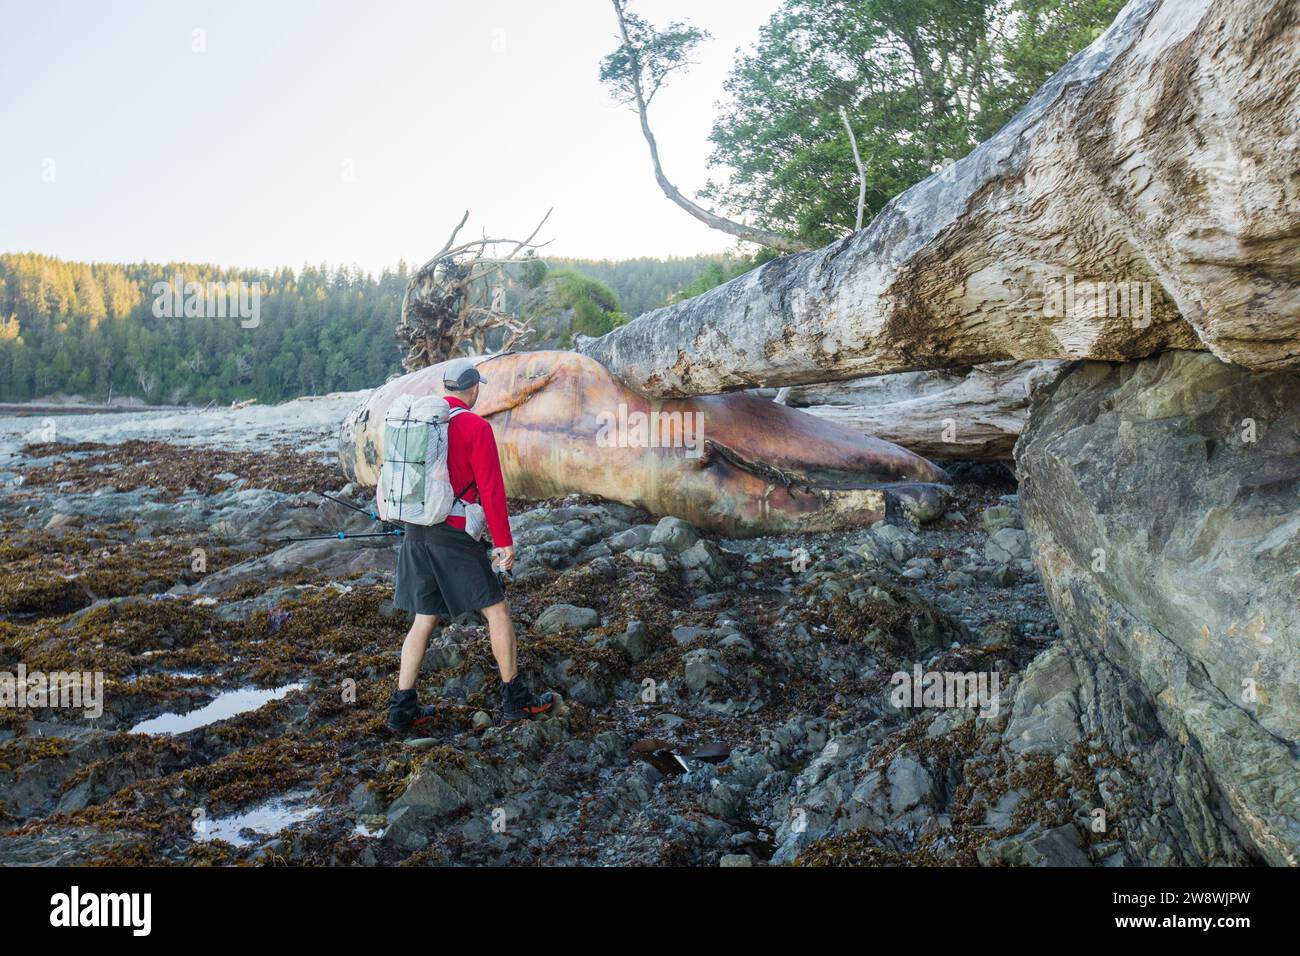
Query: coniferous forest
[[89, 329]]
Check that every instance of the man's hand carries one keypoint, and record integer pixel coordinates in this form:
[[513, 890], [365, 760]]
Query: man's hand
[[505, 558]]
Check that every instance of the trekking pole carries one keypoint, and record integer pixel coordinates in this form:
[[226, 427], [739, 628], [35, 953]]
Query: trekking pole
[[345, 536], [372, 515], [393, 527]]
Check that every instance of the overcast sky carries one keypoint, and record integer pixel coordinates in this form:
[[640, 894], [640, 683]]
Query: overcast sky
[[343, 132]]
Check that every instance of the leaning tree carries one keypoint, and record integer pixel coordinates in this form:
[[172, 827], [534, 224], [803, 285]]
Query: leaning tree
[[635, 72]]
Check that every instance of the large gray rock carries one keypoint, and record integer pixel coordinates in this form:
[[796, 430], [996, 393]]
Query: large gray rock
[[565, 617], [1000, 516], [1007, 545], [436, 790], [332, 558], [1162, 803], [673, 535], [637, 537], [704, 556], [1161, 501], [701, 668], [1058, 846], [1045, 718]]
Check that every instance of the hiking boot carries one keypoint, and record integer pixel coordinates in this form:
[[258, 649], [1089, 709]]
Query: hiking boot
[[405, 712], [518, 702]]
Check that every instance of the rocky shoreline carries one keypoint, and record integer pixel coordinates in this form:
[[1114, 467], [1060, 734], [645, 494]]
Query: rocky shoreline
[[724, 701]]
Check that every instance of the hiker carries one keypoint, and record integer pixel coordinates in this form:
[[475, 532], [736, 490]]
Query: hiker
[[443, 572]]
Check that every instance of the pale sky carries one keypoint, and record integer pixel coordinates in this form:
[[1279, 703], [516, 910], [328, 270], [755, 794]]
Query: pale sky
[[343, 132]]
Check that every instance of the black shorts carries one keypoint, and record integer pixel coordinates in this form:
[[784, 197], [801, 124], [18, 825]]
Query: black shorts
[[441, 570]]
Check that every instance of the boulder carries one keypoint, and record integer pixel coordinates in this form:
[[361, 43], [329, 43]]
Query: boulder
[[1045, 718], [649, 559], [634, 641], [637, 537], [673, 535], [1007, 545], [436, 790], [565, 617], [1058, 846], [1161, 500], [328, 558], [998, 517], [703, 556], [701, 668], [685, 634], [921, 503]]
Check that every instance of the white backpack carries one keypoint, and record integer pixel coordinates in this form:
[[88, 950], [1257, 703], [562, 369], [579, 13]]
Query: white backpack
[[413, 483]]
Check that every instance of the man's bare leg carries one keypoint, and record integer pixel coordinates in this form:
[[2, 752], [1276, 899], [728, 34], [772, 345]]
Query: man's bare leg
[[413, 648], [501, 632], [518, 702]]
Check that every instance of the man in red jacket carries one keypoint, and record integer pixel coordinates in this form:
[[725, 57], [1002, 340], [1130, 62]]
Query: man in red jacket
[[443, 572]]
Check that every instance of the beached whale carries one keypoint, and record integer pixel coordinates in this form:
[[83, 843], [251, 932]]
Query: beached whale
[[734, 464]]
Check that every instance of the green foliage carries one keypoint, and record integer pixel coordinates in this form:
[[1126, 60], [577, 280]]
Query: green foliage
[[594, 304], [715, 274], [533, 273], [720, 270], [923, 82], [649, 56], [641, 284]]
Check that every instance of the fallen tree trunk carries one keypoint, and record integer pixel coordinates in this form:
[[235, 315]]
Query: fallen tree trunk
[[1144, 199], [966, 414]]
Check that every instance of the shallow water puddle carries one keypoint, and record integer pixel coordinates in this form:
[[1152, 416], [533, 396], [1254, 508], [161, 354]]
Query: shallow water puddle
[[264, 820], [231, 703]]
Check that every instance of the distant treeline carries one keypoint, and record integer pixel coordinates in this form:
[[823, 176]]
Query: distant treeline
[[98, 330]]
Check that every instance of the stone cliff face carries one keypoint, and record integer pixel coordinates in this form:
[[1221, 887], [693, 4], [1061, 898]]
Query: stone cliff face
[[1161, 501]]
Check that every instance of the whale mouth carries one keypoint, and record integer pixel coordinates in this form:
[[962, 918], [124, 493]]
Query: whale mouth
[[807, 478]]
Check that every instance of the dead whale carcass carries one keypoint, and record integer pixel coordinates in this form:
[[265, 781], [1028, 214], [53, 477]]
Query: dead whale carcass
[[733, 464]]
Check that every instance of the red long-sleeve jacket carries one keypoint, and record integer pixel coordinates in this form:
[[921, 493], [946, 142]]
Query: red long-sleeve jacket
[[472, 458]]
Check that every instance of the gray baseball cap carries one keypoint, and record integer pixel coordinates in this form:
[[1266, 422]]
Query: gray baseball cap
[[461, 375]]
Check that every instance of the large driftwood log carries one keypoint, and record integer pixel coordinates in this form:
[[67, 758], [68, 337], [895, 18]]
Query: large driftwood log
[[968, 414], [1144, 199]]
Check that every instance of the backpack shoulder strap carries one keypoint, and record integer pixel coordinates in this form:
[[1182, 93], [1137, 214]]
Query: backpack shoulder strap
[[460, 495]]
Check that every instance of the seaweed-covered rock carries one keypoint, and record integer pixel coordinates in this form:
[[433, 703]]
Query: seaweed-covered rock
[[565, 617]]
